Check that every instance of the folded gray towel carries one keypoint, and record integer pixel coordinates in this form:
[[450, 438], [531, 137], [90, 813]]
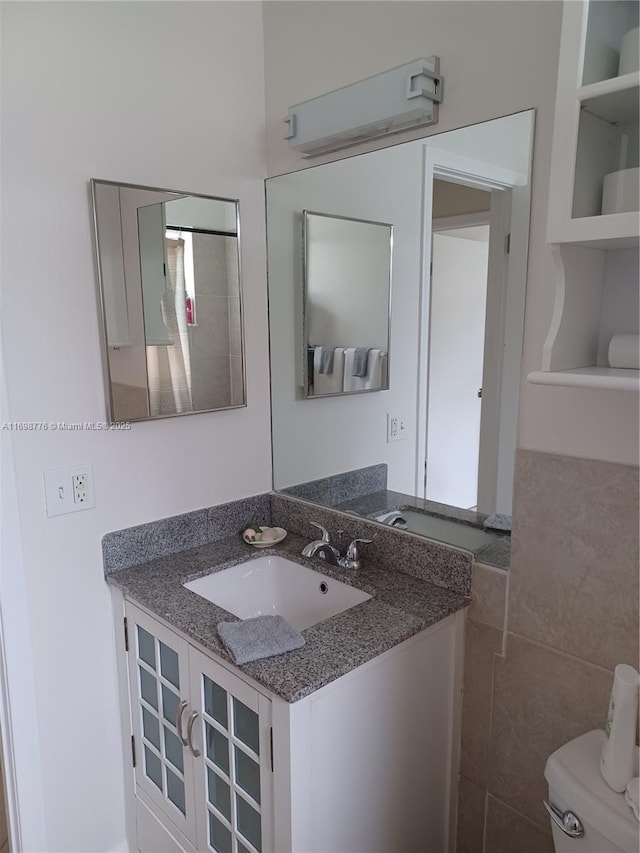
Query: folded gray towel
[[498, 521], [326, 359], [259, 637], [361, 361]]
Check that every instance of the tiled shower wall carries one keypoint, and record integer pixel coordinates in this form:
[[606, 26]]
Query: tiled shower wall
[[215, 342], [571, 615]]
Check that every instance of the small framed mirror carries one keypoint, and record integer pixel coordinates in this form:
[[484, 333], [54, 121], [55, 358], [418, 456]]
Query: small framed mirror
[[347, 304], [170, 292]]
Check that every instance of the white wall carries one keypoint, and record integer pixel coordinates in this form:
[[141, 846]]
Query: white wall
[[86, 93], [621, 307], [491, 66]]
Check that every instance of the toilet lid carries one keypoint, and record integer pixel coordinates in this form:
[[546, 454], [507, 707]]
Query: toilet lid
[[574, 772]]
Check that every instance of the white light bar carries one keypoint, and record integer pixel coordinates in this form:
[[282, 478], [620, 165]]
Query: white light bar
[[402, 98]]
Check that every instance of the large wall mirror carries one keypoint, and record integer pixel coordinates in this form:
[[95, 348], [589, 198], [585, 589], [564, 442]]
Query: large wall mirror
[[347, 304], [169, 278], [437, 446]]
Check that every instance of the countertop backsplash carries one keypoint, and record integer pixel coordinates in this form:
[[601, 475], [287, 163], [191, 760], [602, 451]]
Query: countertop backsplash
[[390, 549], [135, 545]]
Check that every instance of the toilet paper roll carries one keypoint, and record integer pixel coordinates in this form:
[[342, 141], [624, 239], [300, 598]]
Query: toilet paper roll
[[621, 191], [624, 351], [629, 52]]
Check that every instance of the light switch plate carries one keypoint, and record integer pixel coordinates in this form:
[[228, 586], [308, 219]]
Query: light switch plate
[[68, 489]]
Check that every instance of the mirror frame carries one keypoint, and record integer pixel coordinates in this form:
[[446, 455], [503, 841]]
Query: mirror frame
[[305, 277], [102, 321]]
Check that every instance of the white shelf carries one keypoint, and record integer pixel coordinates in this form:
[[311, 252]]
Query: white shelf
[[610, 231], [595, 125], [601, 378], [614, 100], [595, 255]]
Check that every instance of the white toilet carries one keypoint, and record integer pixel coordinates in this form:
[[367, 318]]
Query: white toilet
[[586, 815]]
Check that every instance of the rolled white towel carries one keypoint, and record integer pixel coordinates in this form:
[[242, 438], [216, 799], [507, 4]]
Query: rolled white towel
[[632, 796], [624, 351]]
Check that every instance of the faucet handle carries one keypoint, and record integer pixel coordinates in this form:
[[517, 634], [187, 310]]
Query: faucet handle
[[353, 552], [324, 531]]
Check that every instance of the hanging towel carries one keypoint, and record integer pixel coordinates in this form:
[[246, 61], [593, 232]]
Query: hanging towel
[[326, 359], [259, 637], [376, 370], [328, 383], [360, 361]]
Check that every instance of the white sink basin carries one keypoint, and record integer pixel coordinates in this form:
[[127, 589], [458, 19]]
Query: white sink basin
[[270, 585]]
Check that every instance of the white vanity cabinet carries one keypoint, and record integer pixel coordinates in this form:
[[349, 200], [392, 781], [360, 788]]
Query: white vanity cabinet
[[202, 745], [593, 221], [366, 763]]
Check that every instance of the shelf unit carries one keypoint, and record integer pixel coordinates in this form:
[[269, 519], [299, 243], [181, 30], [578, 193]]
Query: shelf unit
[[601, 378], [595, 254]]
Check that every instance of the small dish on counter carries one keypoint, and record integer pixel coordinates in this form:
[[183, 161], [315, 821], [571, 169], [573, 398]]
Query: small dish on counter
[[266, 538]]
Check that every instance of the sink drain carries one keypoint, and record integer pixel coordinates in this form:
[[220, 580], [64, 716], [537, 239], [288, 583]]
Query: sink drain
[[324, 588]]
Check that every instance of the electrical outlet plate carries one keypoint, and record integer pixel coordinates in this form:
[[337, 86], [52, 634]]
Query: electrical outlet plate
[[79, 482], [396, 427], [68, 489]]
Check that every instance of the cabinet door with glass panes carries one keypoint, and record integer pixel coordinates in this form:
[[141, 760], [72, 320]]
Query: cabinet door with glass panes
[[234, 770], [159, 684]]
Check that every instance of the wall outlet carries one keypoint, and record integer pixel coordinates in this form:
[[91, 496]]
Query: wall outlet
[[396, 428], [68, 489], [79, 488]]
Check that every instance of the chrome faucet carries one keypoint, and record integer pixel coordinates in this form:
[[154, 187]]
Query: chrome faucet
[[323, 548]]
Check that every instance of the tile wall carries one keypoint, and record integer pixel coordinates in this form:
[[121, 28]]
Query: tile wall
[[215, 341], [544, 677]]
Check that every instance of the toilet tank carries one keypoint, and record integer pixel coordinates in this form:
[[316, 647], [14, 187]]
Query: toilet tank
[[576, 784]]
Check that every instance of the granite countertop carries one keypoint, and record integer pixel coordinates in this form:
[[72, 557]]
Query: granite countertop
[[400, 607]]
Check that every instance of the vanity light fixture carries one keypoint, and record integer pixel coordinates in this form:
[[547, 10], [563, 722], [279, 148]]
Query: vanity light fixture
[[401, 98]]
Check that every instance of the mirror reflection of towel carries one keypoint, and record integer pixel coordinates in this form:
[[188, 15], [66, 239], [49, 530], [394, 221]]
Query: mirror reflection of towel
[[328, 383], [326, 359], [376, 371], [361, 361]]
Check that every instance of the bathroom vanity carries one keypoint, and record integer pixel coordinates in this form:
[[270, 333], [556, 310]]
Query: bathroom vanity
[[349, 743]]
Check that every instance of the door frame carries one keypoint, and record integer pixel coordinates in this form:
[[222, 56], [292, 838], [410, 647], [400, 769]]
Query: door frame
[[19, 735], [439, 163]]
